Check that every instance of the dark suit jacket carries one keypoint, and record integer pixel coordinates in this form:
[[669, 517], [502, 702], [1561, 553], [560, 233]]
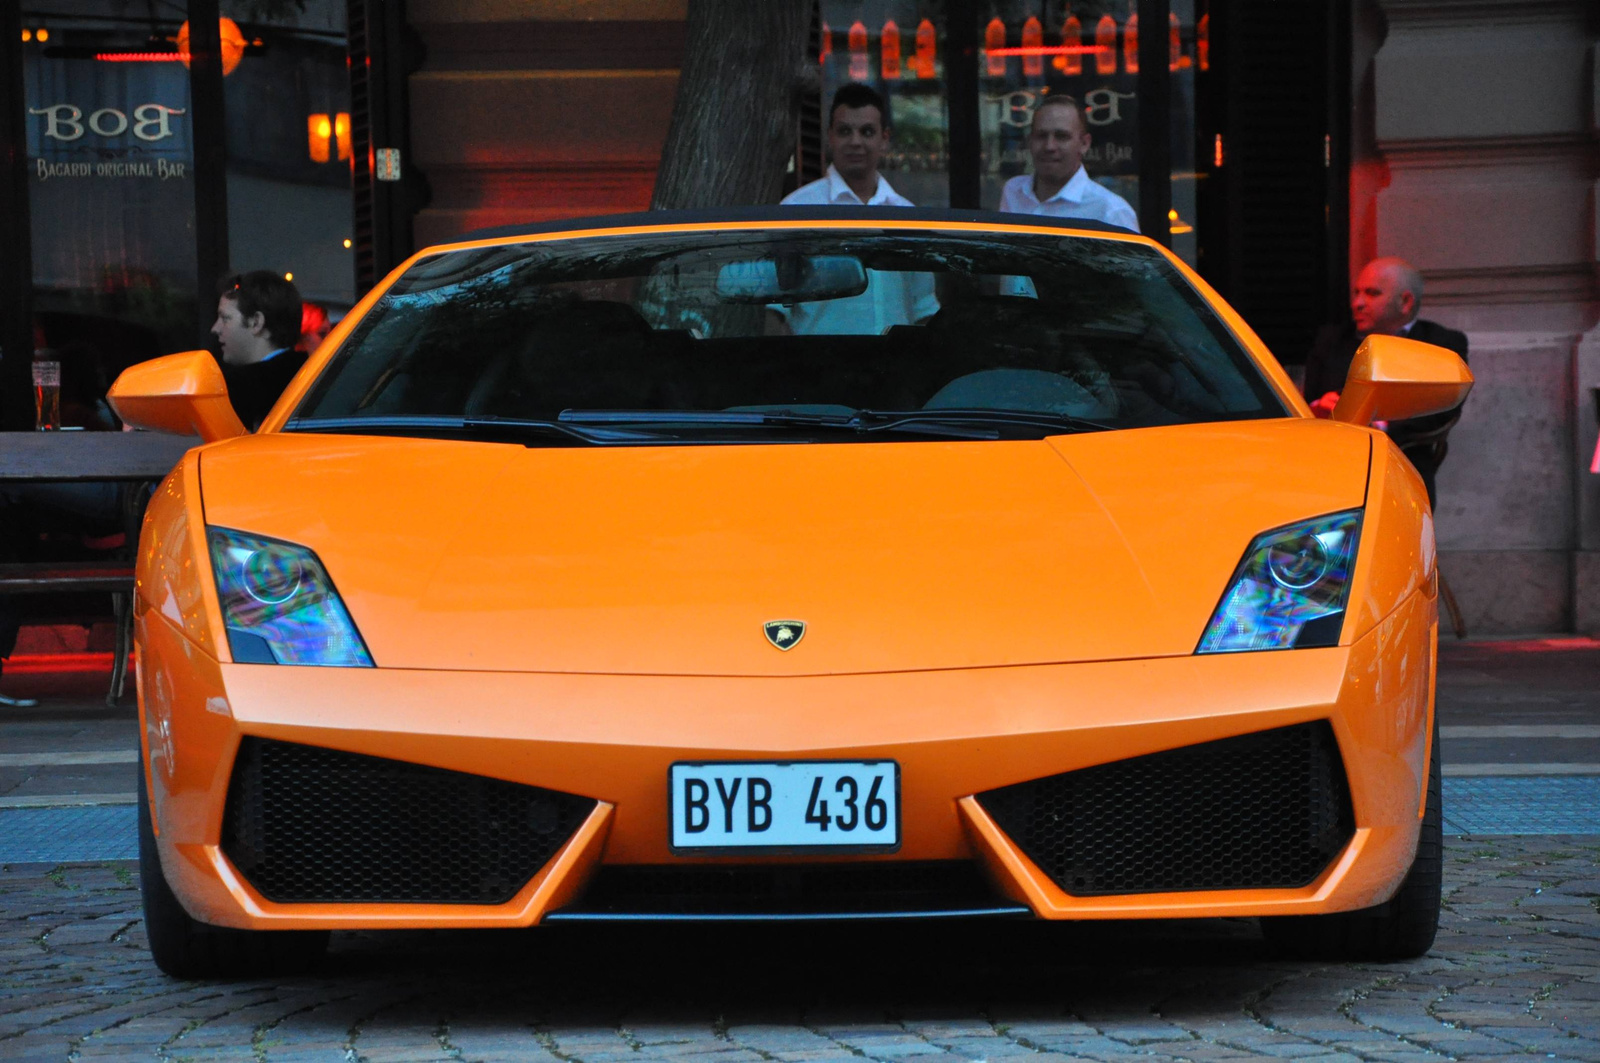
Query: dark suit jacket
[[1329, 363]]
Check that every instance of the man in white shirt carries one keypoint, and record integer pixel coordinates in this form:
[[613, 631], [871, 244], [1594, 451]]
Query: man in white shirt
[[858, 136], [1060, 186]]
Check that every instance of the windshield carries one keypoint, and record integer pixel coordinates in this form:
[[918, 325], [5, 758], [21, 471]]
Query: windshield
[[785, 335]]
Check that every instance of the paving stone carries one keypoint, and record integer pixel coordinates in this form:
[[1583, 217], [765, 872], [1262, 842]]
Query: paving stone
[[1515, 975]]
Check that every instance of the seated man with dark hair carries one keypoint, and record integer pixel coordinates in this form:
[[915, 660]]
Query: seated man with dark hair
[[257, 327]]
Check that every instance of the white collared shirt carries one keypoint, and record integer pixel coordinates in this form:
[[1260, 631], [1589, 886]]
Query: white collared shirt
[[890, 299], [831, 190], [1080, 197]]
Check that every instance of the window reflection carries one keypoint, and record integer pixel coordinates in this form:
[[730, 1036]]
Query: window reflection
[[288, 138], [1033, 49], [881, 49]]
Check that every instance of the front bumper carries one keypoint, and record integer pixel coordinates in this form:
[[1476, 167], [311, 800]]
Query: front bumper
[[955, 734]]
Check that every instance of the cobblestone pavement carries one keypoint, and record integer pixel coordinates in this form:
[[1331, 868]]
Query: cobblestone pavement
[[1515, 975]]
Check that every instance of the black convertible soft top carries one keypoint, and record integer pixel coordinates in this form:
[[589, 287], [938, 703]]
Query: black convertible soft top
[[756, 215]]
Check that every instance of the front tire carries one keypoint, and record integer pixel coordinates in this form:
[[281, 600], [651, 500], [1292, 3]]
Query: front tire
[[184, 947], [1401, 928]]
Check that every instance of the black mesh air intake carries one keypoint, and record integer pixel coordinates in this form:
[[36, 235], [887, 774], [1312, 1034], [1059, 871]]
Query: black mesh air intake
[[1260, 811], [875, 888], [306, 824]]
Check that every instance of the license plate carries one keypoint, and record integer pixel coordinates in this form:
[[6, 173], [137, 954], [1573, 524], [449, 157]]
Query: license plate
[[810, 805]]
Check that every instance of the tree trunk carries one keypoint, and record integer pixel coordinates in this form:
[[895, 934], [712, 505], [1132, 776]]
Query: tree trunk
[[733, 122]]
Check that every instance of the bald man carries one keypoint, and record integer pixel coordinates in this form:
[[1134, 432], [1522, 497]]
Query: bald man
[[1385, 301]]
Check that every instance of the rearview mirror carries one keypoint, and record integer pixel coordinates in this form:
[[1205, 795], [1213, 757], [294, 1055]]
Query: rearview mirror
[[183, 394], [791, 279], [1392, 378]]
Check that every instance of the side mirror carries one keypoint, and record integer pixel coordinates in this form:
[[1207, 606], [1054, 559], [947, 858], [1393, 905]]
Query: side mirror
[[183, 394], [1392, 378]]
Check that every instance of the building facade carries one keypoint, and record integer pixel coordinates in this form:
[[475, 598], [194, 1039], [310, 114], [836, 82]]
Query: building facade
[[1275, 146], [1479, 161]]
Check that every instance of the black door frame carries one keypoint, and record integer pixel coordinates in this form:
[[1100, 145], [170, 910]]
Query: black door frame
[[16, 245]]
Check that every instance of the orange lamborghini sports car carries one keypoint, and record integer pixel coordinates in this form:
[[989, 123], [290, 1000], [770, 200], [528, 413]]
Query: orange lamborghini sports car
[[788, 564]]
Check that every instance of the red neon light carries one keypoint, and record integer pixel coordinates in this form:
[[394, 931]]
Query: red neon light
[[142, 57], [1059, 49], [58, 663]]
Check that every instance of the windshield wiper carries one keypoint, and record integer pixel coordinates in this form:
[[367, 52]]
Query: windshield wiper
[[852, 422], [884, 420], [485, 424]]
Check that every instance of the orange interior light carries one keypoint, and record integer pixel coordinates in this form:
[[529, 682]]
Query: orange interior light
[[1130, 45], [858, 52], [1070, 62], [233, 44], [889, 49], [1033, 37], [341, 135], [994, 38], [827, 44], [319, 130], [927, 44], [1105, 39]]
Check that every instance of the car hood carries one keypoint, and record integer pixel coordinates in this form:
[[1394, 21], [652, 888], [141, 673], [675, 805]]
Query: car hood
[[896, 556]]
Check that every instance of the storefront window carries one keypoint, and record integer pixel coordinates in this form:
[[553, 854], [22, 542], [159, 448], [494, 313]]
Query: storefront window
[[896, 46], [111, 165], [289, 144], [1086, 49], [1188, 49]]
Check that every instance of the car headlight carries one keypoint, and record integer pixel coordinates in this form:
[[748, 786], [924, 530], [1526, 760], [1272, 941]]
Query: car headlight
[[279, 605], [1290, 590]]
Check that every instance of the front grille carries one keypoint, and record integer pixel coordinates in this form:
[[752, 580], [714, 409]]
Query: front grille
[[1265, 810], [306, 824], [852, 890]]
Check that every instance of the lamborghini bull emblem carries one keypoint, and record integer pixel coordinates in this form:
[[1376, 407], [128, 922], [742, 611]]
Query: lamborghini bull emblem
[[785, 634]]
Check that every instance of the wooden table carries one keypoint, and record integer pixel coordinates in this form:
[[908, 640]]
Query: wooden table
[[76, 457]]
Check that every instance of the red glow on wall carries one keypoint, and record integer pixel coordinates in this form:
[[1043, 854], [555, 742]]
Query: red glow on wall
[[1070, 61], [1202, 41], [1105, 38], [994, 37], [1130, 45], [827, 44], [1033, 37], [889, 49], [927, 44], [1176, 60], [859, 70]]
